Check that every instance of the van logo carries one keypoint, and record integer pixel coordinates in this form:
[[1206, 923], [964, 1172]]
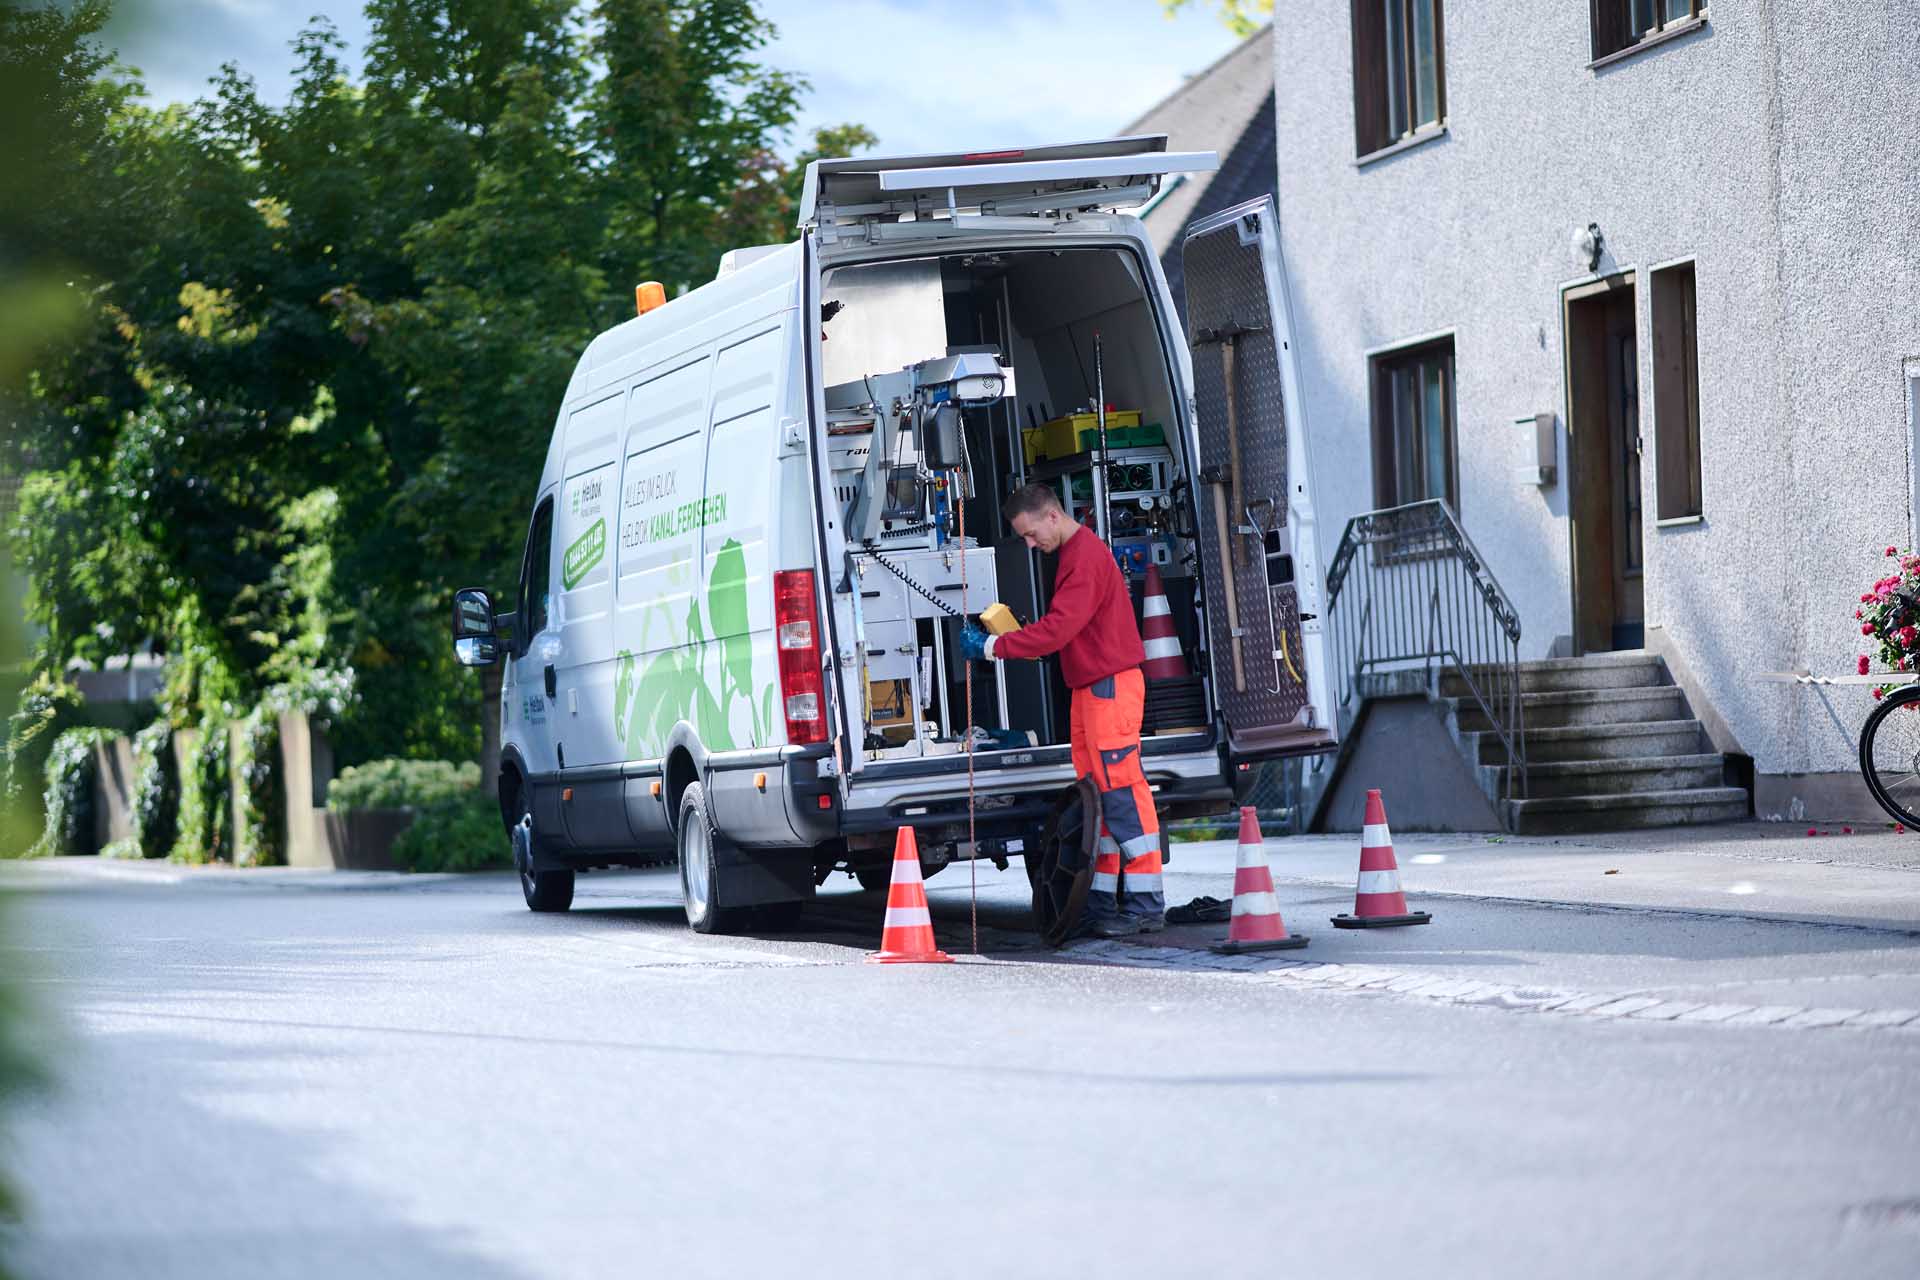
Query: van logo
[[583, 555], [586, 499]]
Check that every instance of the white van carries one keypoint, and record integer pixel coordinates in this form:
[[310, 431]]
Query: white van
[[767, 504]]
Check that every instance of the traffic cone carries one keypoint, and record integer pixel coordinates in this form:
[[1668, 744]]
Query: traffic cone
[[907, 936], [1377, 899], [1165, 660], [1256, 924]]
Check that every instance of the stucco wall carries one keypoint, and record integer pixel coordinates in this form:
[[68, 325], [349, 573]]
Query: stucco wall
[[1776, 149]]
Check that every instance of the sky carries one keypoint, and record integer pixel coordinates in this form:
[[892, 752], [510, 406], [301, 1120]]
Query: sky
[[925, 75]]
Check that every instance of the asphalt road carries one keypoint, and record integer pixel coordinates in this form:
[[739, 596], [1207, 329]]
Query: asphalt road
[[291, 1074]]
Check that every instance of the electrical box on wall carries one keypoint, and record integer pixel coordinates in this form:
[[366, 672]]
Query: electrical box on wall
[[1540, 469]]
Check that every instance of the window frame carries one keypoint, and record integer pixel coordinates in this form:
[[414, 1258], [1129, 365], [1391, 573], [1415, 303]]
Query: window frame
[[530, 623], [1679, 476], [1610, 23], [1373, 129], [1382, 363]]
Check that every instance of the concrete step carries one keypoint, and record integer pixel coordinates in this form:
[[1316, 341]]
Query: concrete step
[[1687, 806], [1593, 742], [1583, 707], [1622, 776], [1555, 675]]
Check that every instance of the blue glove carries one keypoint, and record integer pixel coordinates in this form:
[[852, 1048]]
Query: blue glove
[[973, 642]]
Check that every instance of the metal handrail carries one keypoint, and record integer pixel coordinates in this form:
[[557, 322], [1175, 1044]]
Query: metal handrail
[[1420, 603]]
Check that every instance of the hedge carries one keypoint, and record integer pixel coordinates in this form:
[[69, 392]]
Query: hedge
[[156, 790], [401, 784], [71, 768], [460, 833]]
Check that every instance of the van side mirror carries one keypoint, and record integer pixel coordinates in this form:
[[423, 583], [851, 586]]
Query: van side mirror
[[475, 632]]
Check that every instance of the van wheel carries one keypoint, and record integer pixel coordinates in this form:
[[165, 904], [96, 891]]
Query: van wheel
[[696, 841], [874, 879], [543, 890]]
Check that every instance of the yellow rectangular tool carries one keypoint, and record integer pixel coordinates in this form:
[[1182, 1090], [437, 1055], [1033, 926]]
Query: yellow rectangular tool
[[998, 619]]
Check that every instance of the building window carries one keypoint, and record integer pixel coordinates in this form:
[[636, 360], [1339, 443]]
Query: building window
[[1676, 394], [1413, 439], [1619, 25], [1399, 76]]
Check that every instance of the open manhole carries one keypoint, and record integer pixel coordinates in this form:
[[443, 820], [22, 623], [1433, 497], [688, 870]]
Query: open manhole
[[1898, 1214]]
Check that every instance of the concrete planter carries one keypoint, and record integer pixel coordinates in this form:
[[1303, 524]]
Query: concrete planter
[[358, 840]]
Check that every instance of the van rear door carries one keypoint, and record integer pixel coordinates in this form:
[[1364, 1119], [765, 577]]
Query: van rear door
[[1259, 564], [1115, 173]]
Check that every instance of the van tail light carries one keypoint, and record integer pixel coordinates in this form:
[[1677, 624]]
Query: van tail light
[[797, 640]]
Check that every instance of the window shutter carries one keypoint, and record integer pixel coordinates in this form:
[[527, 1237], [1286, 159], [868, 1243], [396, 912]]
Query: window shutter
[[1384, 487], [1369, 76], [1609, 26]]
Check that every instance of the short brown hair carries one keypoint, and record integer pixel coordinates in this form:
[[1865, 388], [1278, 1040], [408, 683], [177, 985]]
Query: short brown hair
[[1031, 500]]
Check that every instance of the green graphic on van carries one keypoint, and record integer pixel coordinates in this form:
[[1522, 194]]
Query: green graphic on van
[[585, 553], [674, 684]]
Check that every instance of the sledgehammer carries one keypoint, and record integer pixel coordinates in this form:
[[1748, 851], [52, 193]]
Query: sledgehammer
[[1231, 551]]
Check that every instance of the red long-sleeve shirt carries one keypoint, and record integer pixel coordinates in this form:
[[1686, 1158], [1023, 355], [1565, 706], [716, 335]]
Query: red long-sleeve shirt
[[1090, 624]]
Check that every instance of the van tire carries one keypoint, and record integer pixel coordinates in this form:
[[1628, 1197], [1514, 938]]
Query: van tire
[[543, 890], [874, 879], [697, 842]]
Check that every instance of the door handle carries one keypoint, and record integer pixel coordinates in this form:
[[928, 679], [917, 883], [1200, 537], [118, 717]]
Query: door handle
[[553, 683]]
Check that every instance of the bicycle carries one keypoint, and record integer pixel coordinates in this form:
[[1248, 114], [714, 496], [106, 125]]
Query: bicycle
[[1890, 754]]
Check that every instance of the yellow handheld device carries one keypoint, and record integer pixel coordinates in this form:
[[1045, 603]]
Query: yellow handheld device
[[998, 619]]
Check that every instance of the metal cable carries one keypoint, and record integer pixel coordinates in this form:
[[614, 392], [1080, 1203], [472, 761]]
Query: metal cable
[[973, 844], [901, 574]]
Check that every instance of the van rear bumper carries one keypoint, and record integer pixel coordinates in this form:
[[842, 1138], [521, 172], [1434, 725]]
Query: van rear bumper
[[1012, 790]]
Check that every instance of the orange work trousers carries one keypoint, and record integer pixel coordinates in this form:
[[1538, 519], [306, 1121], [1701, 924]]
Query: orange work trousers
[[1106, 748]]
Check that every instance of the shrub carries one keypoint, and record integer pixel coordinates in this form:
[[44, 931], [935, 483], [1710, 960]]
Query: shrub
[[203, 833], [263, 796], [47, 707], [401, 784], [156, 790], [70, 768], [459, 833]]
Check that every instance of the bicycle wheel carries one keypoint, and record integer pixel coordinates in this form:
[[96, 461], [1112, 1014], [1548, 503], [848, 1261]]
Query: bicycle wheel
[[1890, 754]]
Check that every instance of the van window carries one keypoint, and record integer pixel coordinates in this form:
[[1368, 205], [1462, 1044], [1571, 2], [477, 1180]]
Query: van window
[[536, 573]]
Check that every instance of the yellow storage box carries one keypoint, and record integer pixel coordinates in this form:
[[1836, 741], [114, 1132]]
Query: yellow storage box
[[1075, 433]]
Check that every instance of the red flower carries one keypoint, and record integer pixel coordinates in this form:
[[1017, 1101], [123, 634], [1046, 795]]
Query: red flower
[[1878, 691], [1867, 598], [1866, 628], [1812, 832], [1863, 664], [1892, 552], [1856, 614]]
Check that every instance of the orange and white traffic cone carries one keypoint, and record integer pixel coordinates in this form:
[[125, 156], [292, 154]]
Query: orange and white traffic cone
[[1165, 660], [1256, 924], [907, 936], [1378, 900]]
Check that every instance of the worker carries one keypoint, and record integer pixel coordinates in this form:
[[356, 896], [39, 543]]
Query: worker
[[1091, 626]]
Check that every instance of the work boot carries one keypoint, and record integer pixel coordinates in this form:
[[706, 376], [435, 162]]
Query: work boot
[[1146, 924], [1108, 927]]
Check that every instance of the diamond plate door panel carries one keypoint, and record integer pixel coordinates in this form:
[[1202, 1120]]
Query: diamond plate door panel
[[1246, 560]]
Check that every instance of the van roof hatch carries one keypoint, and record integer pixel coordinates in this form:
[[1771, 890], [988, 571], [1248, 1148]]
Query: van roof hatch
[[1114, 173]]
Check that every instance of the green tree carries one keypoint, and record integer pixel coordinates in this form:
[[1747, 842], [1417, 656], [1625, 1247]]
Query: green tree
[[1243, 17], [314, 349]]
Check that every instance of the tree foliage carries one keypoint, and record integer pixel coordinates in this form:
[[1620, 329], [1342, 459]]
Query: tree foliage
[[309, 353], [1243, 17]]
